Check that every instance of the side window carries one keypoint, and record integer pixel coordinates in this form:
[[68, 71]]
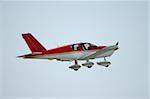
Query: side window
[[75, 47], [85, 46], [94, 47]]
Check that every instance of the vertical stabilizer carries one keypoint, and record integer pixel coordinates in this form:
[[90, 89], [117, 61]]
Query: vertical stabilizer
[[32, 43]]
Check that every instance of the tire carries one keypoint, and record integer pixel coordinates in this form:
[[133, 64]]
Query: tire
[[107, 66], [75, 69], [89, 66]]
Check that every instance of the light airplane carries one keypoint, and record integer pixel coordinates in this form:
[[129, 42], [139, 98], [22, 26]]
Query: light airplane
[[72, 52]]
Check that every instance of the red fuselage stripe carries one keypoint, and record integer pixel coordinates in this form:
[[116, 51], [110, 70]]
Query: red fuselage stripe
[[51, 52]]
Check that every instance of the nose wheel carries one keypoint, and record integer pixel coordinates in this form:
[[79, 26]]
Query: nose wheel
[[104, 63]]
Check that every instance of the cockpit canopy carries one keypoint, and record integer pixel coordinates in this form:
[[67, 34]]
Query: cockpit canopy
[[83, 46]]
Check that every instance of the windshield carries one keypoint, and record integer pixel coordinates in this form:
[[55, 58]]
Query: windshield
[[93, 45]]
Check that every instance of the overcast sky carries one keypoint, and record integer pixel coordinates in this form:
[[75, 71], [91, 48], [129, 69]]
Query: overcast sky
[[58, 23]]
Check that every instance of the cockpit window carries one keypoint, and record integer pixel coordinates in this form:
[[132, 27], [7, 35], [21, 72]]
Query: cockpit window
[[93, 46], [85, 46], [75, 47]]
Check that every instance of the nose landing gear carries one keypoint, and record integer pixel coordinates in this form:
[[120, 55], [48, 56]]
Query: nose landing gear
[[104, 63]]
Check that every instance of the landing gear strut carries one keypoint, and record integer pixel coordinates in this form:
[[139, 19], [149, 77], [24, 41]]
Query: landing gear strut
[[76, 62], [104, 59]]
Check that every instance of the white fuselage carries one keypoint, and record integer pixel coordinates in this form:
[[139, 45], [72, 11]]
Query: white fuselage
[[76, 55]]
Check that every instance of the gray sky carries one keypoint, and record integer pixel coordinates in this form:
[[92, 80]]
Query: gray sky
[[58, 23], [1, 80]]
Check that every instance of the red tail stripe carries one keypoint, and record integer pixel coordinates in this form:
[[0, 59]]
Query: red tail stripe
[[32, 43]]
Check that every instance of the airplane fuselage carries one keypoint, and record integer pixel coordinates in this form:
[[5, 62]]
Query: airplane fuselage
[[70, 54]]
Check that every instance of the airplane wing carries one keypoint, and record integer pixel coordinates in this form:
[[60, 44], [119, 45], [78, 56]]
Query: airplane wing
[[100, 52]]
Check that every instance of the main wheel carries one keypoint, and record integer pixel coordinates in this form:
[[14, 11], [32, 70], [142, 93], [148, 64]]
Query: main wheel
[[75, 69], [89, 66], [107, 66]]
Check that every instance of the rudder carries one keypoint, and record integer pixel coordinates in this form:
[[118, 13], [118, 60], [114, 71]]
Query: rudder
[[33, 44]]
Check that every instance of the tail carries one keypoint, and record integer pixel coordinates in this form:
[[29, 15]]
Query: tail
[[32, 43]]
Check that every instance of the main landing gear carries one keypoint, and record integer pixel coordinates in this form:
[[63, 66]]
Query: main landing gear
[[88, 64], [104, 63], [75, 66]]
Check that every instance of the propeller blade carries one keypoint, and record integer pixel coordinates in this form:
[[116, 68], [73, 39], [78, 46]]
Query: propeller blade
[[117, 43]]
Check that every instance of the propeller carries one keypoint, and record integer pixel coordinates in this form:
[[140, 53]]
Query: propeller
[[117, 43]]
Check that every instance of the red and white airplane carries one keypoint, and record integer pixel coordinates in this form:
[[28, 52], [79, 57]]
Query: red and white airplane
[[72, 52]]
